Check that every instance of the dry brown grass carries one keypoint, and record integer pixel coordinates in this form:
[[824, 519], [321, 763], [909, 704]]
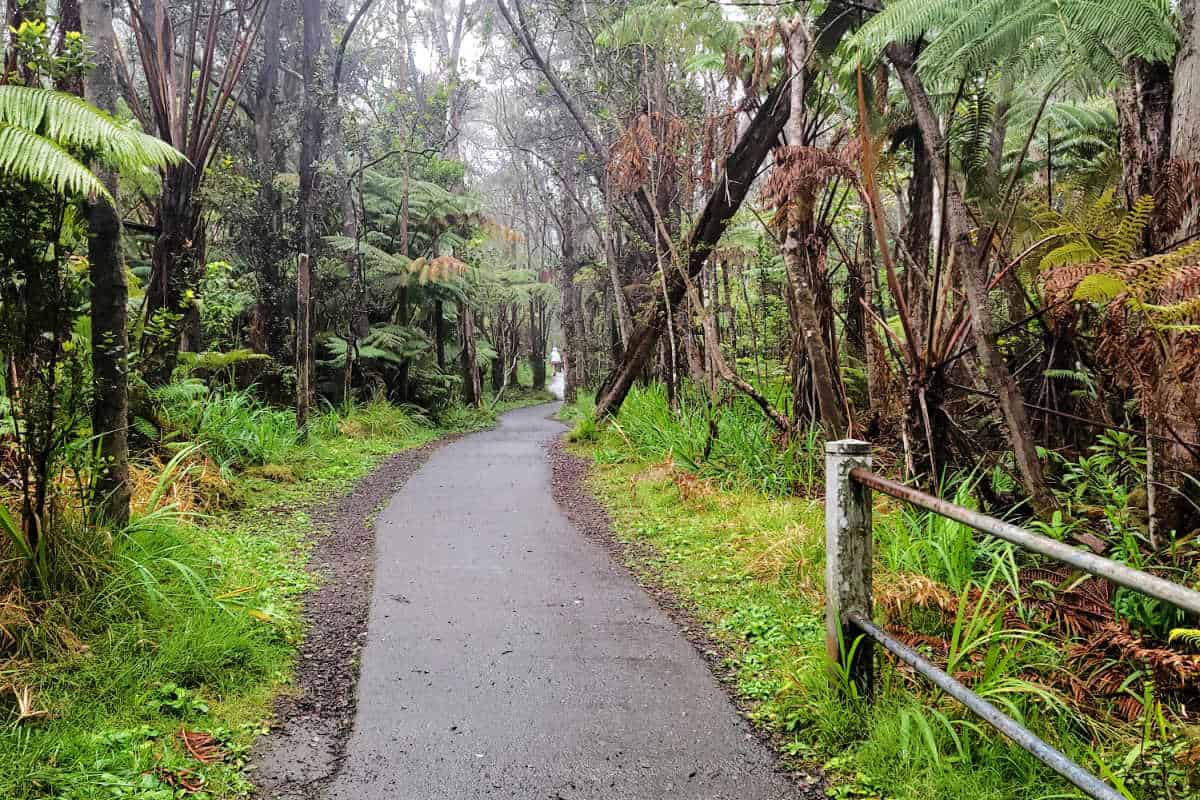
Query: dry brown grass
[[197, 485]]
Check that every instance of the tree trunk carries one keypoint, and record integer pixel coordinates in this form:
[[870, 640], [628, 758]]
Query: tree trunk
[[1185, 123], [268, 329], [311, 134], [537, 343], [178, 258], [498, 370], [803, 262], [732, 187], [1173, 412], [472, 389], [971, 268], [573, 350], [1144, 137], [798, 261], [109, 294], [439, 333]]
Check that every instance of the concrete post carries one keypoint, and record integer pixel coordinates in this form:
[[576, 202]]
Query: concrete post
[[848, 555]]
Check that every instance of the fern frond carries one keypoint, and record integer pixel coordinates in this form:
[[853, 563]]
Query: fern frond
[[1187, 636], [74, 123], [966, 36], [375, 257], [1103, 287], [1124, 241], [35, 159], [1074, 252]]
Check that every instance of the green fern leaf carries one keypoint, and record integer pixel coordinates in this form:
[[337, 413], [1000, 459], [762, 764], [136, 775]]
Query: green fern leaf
[[1103, 287], [35, 159]]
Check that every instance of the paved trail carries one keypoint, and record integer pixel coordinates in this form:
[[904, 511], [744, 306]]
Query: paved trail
[[508, 656]]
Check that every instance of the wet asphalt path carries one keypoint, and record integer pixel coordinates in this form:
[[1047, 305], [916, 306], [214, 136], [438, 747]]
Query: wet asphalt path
[[508, 656]]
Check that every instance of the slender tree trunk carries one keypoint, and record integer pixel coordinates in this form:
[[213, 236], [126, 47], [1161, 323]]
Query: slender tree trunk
[[439, 333], [624, 322], [969, 266], [109, 293], [802, 262], [472, 389], [1185, 122], [311, 134], [537, 342], [571, 311], [919, 236], [268, 329]]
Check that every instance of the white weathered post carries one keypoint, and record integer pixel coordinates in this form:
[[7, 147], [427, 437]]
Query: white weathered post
[[848, 555]]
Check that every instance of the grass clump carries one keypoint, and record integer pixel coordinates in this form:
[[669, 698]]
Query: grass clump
[[733, 445], [235, 429]]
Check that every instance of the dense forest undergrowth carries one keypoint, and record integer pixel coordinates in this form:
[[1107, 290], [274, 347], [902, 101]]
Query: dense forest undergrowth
[[736, 531]]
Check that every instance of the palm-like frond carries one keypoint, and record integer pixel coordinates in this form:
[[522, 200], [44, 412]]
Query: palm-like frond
[[34, 159], [40, 129], [966, 36]]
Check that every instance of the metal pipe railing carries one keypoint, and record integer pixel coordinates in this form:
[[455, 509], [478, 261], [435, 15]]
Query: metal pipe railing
[[848, 570], [1016, 732], [1118, 573]]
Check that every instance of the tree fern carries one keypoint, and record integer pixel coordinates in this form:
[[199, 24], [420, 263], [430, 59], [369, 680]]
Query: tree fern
[[45, 133], [968, 36]]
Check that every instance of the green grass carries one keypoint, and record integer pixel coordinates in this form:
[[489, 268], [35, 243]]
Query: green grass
[[192, 623], [748, 561], [743, 454]]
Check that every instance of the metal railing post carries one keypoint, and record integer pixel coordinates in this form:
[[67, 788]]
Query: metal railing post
[[848, 555]]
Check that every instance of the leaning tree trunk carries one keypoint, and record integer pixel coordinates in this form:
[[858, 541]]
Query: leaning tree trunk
[[971, 267], [732, 187], [109, 294]]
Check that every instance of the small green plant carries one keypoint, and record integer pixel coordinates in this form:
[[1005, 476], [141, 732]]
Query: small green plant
[[176, 701], [585, 430], [234, 429]]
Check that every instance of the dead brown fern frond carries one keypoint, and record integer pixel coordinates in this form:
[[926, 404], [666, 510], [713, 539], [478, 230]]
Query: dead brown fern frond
[[801, 172], [1105, 661], [1076, 605], [652, 146], [902, 593]]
